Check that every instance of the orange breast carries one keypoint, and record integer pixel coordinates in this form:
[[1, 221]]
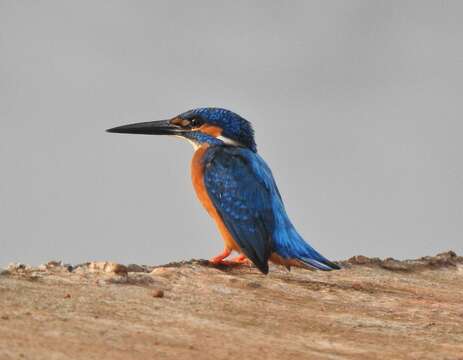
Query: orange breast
[[197, 176]]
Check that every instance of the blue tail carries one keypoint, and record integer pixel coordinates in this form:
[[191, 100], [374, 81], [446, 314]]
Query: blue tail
[[290, 245]]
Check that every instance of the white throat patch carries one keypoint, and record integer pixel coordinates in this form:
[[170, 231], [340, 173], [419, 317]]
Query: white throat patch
[[224, 139], [228, 141], [193, 143]]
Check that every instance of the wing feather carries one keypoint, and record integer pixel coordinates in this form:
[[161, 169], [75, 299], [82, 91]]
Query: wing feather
[[238, 189]]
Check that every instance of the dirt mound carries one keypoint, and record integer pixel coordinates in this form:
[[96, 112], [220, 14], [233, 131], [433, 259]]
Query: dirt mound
[[371, 309]]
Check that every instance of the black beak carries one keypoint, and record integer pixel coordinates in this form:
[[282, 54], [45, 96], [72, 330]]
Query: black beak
[[163, 127]]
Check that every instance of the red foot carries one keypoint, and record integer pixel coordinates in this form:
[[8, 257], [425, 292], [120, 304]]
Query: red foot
[[219, 259], [241, 259]]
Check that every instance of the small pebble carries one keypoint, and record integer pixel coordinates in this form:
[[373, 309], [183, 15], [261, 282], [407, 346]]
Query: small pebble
[[254, 285], [158, 293], [135, 268], [67, 296], [54, 263], [357, 286], [16, 267], [107, 267]]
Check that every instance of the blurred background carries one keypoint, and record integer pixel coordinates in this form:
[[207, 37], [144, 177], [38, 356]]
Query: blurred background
[[357, 107]]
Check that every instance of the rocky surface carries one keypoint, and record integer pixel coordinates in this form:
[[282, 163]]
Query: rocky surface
[[371, 309]]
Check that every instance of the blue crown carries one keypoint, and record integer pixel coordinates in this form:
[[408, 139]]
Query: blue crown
[[233, 126]]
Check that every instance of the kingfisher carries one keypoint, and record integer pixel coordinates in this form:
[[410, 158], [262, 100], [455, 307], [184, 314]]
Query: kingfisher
[[236, 187]]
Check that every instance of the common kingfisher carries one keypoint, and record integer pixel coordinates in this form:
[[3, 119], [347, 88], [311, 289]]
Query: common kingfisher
[[237, 189]]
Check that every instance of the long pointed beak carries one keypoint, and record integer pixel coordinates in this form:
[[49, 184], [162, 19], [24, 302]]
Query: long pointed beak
[[163, 127]]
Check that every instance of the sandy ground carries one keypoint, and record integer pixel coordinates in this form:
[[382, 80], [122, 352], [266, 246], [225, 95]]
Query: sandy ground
[[371, 309]]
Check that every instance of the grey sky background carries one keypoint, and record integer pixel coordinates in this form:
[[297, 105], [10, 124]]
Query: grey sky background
[[357, 107]]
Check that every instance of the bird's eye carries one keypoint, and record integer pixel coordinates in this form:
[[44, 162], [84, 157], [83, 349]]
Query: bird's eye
[[194, 122]]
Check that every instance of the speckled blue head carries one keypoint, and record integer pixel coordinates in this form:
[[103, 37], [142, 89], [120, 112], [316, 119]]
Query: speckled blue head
[[229, 127]]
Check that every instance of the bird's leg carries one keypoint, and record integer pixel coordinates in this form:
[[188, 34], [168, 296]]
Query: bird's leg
[[241, 259], [219, 258]]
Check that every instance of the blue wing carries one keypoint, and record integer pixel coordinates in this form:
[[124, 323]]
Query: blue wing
[[243, 201], [242, 188]]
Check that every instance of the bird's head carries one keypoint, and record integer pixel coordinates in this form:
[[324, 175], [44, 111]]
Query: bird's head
[[213, 126]]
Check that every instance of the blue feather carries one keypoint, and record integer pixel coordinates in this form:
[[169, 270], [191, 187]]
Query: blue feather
[[243, 190]]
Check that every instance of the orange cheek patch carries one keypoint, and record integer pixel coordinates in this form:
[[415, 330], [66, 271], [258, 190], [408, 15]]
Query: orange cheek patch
[[210, 130]]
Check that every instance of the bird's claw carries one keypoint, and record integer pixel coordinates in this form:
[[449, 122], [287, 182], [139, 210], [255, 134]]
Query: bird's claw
[[237, 261], [240, 260]]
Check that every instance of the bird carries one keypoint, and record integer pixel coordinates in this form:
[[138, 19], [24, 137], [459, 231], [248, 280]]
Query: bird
[[237, 189]]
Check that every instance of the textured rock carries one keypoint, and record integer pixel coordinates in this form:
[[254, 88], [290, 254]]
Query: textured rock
[[107, 267], [17, 267], [371, 309], [136, 268]]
